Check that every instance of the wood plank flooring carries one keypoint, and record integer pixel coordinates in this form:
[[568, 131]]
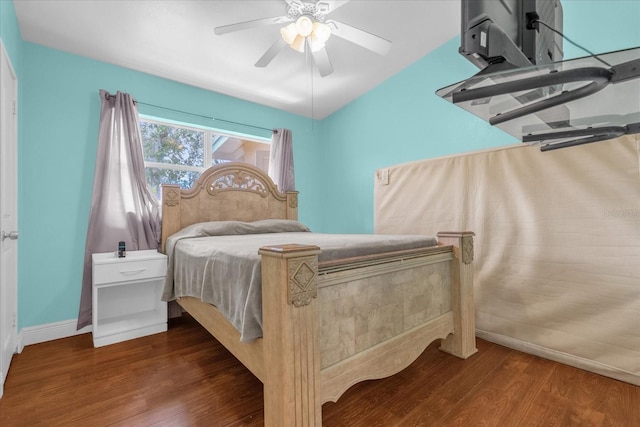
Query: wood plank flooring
[[186, 378]]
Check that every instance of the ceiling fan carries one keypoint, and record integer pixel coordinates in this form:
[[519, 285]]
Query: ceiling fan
[[308, 28]]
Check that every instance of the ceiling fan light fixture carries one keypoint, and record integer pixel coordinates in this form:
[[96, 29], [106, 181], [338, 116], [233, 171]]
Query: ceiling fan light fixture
[[321, 32], [298, 43], [304, 25], [316, 43], [289, 33], [303, 29]]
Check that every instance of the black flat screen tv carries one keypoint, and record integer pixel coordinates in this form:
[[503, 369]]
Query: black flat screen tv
[[501, 34]]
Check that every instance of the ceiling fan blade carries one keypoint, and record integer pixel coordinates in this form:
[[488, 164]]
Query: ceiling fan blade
[[239, 26], [321, 58], [331, 5], [360, 37], [271, 53]]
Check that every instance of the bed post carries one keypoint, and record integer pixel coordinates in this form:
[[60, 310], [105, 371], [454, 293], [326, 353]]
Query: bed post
[[171, 222], [292, 205], [462, 342], [291, 337]]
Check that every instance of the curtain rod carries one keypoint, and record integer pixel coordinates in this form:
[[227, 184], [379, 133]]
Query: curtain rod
[[108, 96]]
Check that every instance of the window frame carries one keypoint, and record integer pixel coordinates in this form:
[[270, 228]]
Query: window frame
[[208, 140]]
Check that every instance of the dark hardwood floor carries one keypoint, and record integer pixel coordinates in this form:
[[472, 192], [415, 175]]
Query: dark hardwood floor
[[186, 378]]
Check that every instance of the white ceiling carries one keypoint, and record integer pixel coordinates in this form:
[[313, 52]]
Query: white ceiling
[[175, 40]]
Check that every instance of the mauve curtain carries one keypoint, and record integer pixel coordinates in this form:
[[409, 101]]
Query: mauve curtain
[[122, 207], [281, 160]]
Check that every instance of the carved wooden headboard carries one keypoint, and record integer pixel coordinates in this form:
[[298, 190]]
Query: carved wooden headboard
[[229, 191]]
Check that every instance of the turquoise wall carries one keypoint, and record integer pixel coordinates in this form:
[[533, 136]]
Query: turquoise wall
[[402, 119], [601, 25], [399, 121]]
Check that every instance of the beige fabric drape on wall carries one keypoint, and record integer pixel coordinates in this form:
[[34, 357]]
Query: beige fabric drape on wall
[[557, 244]]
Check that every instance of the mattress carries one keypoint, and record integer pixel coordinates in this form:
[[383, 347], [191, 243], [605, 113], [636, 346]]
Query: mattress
[[219, 262]]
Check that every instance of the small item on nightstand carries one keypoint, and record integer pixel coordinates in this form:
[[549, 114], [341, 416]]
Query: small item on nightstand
[[122, 251]]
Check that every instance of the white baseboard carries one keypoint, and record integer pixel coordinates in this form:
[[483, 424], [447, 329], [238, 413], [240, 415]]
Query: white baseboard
[[560, 357], [49, 331]]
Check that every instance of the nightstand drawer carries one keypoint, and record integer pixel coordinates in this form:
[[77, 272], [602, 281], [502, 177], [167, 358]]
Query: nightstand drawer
[[129, 271]]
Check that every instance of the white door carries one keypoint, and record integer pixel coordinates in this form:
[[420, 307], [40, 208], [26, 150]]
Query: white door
[[8, 215]]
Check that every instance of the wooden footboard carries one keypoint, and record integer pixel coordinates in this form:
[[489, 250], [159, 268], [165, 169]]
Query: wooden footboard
[[318, 338], [360, 319]]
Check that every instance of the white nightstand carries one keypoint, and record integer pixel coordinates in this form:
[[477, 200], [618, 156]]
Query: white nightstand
[[126, 296]]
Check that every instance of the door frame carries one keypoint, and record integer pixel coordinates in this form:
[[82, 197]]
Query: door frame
[[6, 291]]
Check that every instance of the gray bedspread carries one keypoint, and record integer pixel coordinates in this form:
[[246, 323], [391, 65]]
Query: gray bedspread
[[218, 262]]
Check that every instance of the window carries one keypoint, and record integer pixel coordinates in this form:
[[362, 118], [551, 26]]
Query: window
[[178, 154]]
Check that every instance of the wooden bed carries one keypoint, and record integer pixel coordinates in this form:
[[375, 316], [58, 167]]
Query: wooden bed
[[326, 326]]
